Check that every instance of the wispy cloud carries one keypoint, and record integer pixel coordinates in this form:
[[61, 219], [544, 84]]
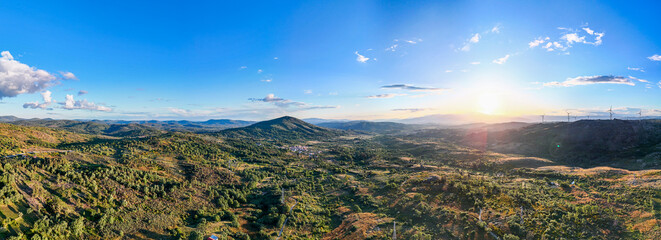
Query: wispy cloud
[[475, 38], [501, 60], [387, 95], [361, 58], [68, 75], [638, 79], [82, 92], [636, 69], [18, 78], [496, 29], [397, 43], [286, 103], [475, 63], [568, 38], [194, 113], [411, 110], [655, 57], [269, 98], [589, 80], [412, 88]]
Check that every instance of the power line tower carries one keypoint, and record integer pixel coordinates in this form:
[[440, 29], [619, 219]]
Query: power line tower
[[568, 119]]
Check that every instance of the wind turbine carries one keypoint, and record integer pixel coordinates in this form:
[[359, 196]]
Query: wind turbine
[[611, 112], [568, 120], [543, 118], [640, 114], [394, 230]]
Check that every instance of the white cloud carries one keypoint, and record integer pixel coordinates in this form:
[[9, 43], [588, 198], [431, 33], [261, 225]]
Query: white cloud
[[307, 91], [588, 80], [655, 57], [537, 42], [472, 40], [568, 38], [412, 88], [242, 67], [286, 103], [71, 104], [412, 110], [260, 70], [361, 58], [266, 80], [448, 71], [396, 45], [392, 48], [68, 75], [46, 95], [501, 60], [640, 80], [636, 69], [573, 38], [475, 38], [475, 63], [18, 78], [269, 98], [495, 29], [387, 95]]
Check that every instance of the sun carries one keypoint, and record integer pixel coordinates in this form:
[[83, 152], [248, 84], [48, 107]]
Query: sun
[[488, 104]]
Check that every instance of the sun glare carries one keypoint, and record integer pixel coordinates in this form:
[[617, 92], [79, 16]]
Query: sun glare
[[488, 104]]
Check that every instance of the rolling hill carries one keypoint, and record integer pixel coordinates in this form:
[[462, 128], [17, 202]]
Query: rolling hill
[[122, 128], [366, 126], [585, 142], [284, 128]]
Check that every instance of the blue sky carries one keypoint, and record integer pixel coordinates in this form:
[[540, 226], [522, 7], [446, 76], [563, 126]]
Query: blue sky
[[341, 59]]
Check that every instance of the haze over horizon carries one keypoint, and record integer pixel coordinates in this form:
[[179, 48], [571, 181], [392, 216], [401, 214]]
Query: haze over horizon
[[368, 60]]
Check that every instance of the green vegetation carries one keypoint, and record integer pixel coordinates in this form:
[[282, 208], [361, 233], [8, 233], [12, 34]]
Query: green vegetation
[[319, 183]]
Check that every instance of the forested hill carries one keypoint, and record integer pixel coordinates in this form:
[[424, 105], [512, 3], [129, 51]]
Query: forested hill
[[585, 142], [283, 128], [374, 127], [127, 128]]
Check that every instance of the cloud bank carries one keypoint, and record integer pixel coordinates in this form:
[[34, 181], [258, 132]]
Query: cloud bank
[[18, 78]]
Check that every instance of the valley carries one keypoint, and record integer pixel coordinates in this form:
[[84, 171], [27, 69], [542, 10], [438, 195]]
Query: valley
[[301, 181]]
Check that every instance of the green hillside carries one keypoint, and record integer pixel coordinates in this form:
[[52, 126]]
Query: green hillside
[[284, 128], [180, 185]]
